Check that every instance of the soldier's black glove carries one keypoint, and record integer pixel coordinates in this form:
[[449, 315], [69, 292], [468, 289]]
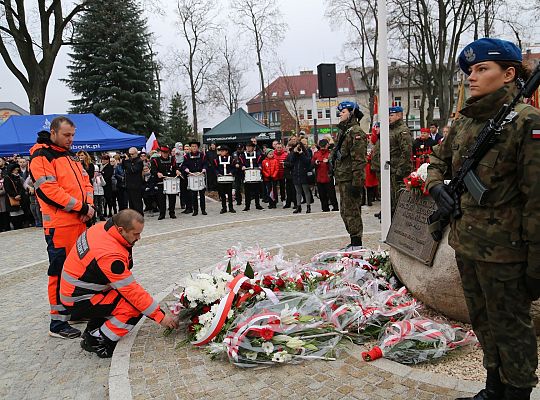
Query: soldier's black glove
[[445, 202], [355, 191], [533, 287]]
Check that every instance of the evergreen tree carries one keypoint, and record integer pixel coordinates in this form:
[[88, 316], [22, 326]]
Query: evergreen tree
[[112, 67], [178, 128]]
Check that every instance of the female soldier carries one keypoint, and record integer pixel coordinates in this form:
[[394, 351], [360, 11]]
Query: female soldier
[[497, 244]]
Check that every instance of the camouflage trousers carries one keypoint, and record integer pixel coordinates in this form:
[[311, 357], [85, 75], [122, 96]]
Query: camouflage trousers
[[396, 185], [350, 210], [499, 309]]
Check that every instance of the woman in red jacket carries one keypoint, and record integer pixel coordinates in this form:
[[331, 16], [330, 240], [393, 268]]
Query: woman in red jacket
[[270, 172], [325, 182]]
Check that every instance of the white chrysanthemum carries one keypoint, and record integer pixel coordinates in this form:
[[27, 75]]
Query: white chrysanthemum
[[268, 347], [194, 293], [251, 355]]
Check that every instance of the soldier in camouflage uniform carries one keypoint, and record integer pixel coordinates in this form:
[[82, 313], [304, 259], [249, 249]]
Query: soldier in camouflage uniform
[[349, 169], [497, 244], [400, 154]]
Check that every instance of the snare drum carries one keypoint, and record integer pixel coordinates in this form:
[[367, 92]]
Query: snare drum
[[253, 176], [196, 182], [225, 179], [171, 185]]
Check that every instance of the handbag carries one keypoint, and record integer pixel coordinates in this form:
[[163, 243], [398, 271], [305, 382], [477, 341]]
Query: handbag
[[13, 202]]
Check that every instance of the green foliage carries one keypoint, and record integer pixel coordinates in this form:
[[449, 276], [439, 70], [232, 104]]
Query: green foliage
[[112, 69], [177, 127]]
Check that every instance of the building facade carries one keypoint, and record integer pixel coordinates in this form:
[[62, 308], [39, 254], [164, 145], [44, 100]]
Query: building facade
[[7, 109]]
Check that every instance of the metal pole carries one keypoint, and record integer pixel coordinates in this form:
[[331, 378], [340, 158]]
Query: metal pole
[[330, 108], [386, 217]]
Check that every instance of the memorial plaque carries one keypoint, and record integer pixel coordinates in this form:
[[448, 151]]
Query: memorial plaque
[[409, 230]]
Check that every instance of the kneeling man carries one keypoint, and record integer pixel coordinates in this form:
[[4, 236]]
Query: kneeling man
[[97, 283]]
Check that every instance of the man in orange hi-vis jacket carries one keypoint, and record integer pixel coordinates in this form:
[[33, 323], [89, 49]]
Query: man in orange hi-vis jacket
[[65, 195], [97, 283]]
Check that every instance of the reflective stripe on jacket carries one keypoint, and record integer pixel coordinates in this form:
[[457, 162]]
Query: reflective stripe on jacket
[[61, 183]]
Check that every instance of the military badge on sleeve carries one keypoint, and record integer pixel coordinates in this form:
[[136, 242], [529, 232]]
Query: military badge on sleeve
[[535, 133]]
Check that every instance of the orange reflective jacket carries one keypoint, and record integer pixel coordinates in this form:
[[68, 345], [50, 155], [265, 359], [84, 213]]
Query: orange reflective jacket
[[100, 262], [62, 185]]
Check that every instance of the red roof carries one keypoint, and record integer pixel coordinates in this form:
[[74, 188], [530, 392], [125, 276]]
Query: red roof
[[302, 86]]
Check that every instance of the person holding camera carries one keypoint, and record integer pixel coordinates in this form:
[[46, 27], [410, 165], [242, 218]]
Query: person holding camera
[[349, 161], [325, 182]]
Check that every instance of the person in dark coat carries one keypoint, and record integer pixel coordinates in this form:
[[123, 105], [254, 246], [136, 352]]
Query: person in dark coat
[[300, 160], [165, 167], [211, 176], [133, 167], [251, 159], [15, 190], [107, 171]]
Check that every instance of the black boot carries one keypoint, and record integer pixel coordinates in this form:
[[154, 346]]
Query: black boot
[[203, 211], [308, 209], [514, 393], [223, 211], [495, 389], [297, 210]]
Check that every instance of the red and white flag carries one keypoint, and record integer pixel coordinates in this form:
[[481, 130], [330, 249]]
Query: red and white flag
[[152, 143]]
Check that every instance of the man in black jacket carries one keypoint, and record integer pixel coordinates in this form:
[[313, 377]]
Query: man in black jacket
[[194, 163], [133, 167]]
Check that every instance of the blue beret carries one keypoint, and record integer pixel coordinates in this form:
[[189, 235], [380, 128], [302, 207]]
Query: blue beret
[[488, 49], [395, 109]]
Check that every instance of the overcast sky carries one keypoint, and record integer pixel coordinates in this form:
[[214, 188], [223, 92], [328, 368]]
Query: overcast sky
[[308, 41]]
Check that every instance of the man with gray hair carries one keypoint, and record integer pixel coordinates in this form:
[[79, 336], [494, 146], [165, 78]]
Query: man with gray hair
[[133, 168]]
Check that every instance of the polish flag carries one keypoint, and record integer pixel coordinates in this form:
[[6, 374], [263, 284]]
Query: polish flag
[[151, 143]]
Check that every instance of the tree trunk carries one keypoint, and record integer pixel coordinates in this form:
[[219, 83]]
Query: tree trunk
[[36, 96]]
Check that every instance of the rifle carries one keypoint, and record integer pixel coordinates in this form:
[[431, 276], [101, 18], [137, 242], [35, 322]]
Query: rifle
[[466, 178], [336, 154]]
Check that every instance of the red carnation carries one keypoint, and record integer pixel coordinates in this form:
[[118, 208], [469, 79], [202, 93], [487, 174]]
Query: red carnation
[[280, 282], [300, 284], [195, 320], [267, 281], [257, 289], [267, 333], [246, 285], [205, 309]]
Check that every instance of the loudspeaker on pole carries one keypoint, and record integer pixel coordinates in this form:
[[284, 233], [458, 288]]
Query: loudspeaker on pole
[[326, 74]]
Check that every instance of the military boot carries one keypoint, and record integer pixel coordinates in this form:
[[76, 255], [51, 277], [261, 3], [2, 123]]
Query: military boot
[[494, 389], [514, 393], [297, 210]]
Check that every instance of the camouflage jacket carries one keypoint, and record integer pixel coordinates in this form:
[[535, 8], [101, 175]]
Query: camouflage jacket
[[400, 151], [507, 228], [351, 166]]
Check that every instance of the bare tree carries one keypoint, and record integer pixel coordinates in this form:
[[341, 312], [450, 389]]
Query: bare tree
[[436, 30], [36, 53], [198, 30], [361, 17], [227, 84], [291, 101], [263, 20]]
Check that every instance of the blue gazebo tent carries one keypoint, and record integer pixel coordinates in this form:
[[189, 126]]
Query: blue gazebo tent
[[19, 133]]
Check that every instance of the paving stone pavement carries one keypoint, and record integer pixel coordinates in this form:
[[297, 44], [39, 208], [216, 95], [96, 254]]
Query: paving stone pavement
[[35, 366]]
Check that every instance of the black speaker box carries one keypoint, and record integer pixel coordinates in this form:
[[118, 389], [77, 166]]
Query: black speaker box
[[326, 73]]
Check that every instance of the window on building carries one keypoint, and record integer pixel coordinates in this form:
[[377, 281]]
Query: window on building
[[302, 92], [416, 101], [319, 114], [436, 102], [327, 112], [286, 93], [340, 90], [397, 80], [345, 89], [274, 117], [309, 114], [274, 94], [397, 101]]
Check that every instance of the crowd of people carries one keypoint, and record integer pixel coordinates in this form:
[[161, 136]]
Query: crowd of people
[[291, 174]]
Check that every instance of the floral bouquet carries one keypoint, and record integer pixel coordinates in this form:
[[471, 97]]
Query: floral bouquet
[[289, 331], [417, 340], [416, 181]]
